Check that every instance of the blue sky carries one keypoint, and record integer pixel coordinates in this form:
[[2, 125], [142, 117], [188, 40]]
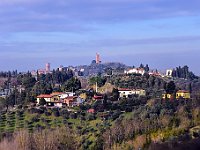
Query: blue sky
[[162, 33]]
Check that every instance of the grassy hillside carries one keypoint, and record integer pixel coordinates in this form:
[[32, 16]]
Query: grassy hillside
[[33, 119]]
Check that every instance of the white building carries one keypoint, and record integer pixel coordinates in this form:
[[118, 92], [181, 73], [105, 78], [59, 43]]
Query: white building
[[127, 92], [169, 72], [66, 94], [47, 97], [135, 71]]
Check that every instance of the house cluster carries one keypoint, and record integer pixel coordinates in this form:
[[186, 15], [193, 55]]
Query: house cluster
[[124, 92], [60, 99], [155, 73], [142, 71], [5, 92], [179, 94], [135, 71]]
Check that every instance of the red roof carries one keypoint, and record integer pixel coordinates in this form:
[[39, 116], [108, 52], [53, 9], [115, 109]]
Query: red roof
[[182, 91], [91, 110], [98, 97], [44, 96]]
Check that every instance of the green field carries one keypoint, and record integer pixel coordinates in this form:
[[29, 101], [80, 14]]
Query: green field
[[16, 120]]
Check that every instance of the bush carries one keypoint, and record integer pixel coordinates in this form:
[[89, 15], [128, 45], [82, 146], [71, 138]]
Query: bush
[[19, 113], [64, 113], [91, 117], [43, 108], [42, 102], [19, 106], [73, 115], [47, 113], [35, 110], [116, 114], [56, 113], [35, 119]]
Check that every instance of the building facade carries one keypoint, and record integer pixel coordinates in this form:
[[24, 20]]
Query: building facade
[[135, 71], [127, 92]]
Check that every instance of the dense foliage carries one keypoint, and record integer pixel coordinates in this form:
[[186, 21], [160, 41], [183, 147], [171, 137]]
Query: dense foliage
[[183, 72], [132, 122]]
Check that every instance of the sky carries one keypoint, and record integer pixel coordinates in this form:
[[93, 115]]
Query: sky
[[161, 33]]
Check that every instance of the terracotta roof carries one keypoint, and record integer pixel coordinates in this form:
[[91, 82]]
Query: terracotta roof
[[97, 97], [182, 91], [44, 96], [91, 110]]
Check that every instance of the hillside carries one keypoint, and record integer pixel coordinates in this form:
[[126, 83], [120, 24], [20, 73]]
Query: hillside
[[104, 119]]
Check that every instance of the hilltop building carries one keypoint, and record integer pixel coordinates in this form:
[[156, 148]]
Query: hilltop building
[[155, 73], [47, 69], [98, 61], [61, 68], [169, 72], [135, 71], [43, 70]]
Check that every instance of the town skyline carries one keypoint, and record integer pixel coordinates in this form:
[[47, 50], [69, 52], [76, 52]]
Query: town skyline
[[55, 65]]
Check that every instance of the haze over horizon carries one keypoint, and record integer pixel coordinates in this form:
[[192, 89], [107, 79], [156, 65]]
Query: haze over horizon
[[161, 33]]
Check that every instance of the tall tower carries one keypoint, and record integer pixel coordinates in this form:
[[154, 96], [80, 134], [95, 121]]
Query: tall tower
[[47, 67], [97, 58]]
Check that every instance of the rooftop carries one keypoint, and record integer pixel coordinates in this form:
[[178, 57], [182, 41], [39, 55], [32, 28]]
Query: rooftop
[[44, 96]]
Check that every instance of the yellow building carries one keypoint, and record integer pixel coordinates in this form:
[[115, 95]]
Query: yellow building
[[167, 96], [183, 94], [83, 95]]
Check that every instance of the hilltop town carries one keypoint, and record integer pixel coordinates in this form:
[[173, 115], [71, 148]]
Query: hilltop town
[[93, 100]]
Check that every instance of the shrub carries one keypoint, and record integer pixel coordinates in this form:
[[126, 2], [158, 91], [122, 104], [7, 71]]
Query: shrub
[[64, 113], [42, 102], [35, 119], [47, 113], [35, 110], [56, 113]]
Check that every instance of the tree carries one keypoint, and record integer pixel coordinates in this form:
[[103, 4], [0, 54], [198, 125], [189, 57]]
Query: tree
[[42, 101], [115, 94], [146, 68], [98, 79], [108, 71], [2, 103], [170, 88], [10, 101], [72, 84], [141, 66], [183, 72], [28, 81]]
